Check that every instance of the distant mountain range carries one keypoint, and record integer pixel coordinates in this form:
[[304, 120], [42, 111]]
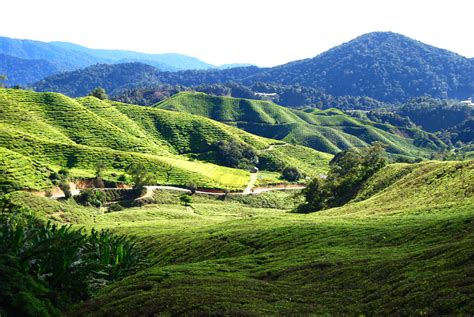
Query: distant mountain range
[[385, 66], [17, 56]]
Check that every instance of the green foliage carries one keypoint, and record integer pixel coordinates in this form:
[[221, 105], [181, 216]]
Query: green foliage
[[291, 173], [434, 114], [140, 175], [382, 65], [99, 93], [116, 207], [235, 154], [412, 230], [185, 199], [72, 264], [328, 131], [53, 131], [348, 172], [285, 95], [91, 197], [22, 294]]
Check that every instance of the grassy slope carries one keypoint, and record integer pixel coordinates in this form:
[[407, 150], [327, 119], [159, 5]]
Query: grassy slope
[[404, 250], [57, 131], [324, 130]]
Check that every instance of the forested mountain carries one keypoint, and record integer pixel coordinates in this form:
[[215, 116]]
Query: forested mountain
[[64, 56], [435, 114], [63, 59], [289, 96], [110, 77], [129, 75], [384, 66], [165, 62], [24, 71]]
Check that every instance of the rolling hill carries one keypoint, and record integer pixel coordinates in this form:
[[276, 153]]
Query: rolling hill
[[49, 131], [402, 247], [324, 130], [382, 65]]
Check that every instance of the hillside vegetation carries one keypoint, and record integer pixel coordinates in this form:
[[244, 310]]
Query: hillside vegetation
[[382, 65], [402, 247], [324, 130], [54, 131], [385, 66]]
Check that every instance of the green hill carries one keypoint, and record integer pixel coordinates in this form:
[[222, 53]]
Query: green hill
[[403, 247], [324, 130], [52, 130]]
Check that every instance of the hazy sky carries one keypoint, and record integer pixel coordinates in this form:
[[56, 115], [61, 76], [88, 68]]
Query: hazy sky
[[261, 32]]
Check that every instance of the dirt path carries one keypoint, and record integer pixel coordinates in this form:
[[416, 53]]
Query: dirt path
[[249, 190], [253, 179], [269, 189]]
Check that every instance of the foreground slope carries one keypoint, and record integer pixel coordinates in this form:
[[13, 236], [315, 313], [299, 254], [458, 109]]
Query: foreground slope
[[405, 249], [324, 130], [58, 131]]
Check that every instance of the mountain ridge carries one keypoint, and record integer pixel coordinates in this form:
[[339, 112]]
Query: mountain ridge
[[385, 66]]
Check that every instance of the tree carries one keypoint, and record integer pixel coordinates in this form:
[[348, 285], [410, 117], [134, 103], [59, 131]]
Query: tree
[[315, 194], [191, 186], [291, 173], [185, 199], [2, 79], [140, 175], [64, 179], [235, 154], [91, 197], [99, 172], [99, 93], [348, 172]]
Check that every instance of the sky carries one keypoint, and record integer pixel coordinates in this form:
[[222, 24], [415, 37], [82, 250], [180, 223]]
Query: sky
[[260, 32]]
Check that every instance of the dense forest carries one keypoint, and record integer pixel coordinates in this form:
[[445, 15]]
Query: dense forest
[[383, 66]]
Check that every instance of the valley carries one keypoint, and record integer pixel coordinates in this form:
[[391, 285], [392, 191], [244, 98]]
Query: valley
[[140, 184]]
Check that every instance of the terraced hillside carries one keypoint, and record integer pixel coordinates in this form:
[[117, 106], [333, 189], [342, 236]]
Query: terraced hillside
[[403, 247], [324, 130], [49, 131]]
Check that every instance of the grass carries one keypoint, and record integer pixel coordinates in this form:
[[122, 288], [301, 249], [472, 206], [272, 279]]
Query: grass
[[402, 247], [324, 130], [49, 131]]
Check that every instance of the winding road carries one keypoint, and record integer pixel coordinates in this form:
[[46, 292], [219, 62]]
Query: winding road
[[249, 189]]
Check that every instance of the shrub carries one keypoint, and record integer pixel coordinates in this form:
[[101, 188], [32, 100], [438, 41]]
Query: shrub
[[64, 186], [235, 154], [185, 199], [58, 264], [191, 186], [115, 207], [91, 197], [99, 93], [348, 171], [140, 175], [291, 173]]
